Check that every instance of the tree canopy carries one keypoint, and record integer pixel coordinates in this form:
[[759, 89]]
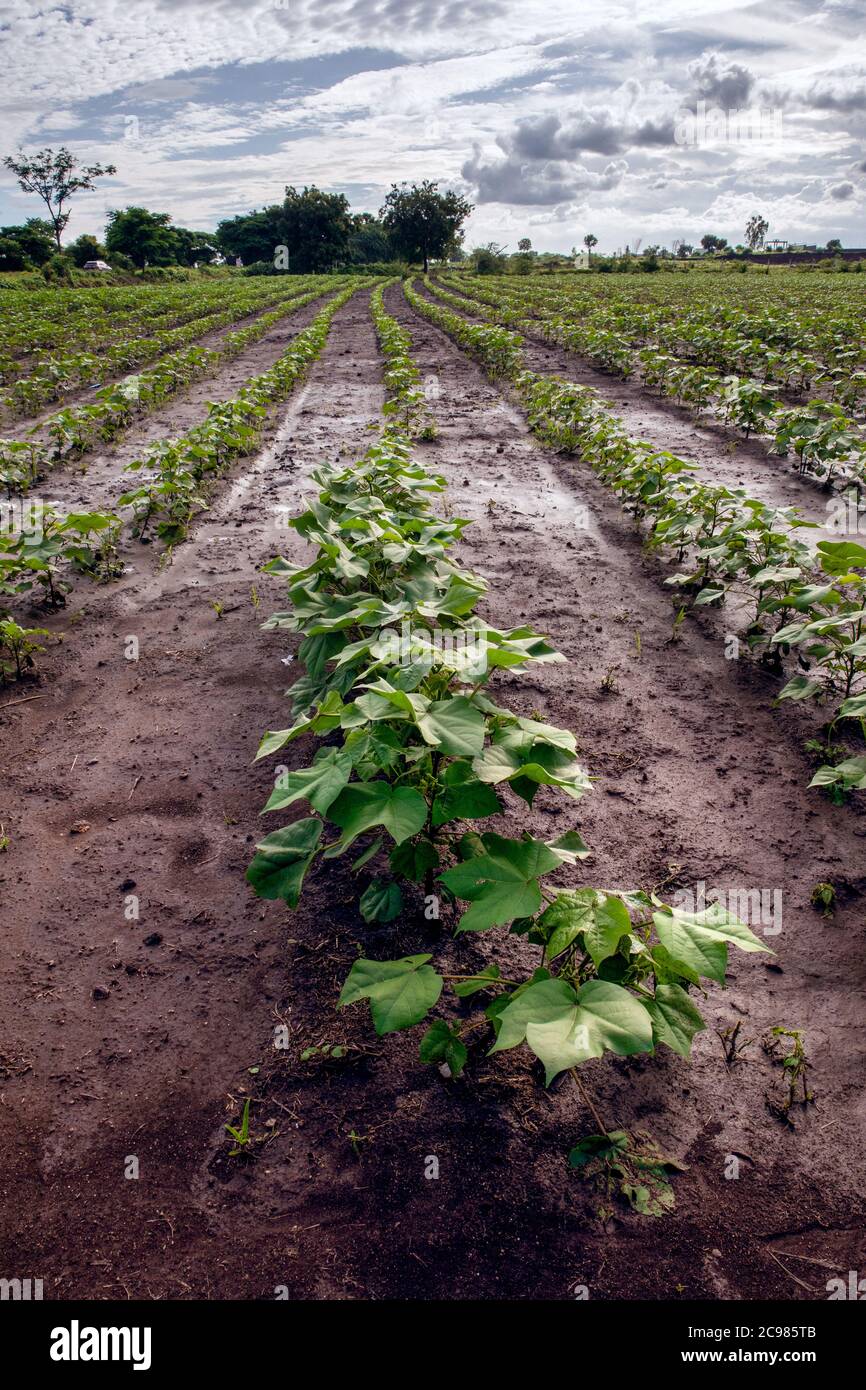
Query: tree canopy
[[54, 176], [423, 223]]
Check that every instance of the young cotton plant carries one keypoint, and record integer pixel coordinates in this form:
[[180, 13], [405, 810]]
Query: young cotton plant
[[416, 753]]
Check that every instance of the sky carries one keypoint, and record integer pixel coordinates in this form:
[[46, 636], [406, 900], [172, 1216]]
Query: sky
[[639, 121]]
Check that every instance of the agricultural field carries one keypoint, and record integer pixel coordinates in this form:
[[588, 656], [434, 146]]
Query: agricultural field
[[432, 718]]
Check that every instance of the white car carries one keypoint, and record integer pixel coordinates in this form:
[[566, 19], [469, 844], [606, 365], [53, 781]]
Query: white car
[[95, 265]]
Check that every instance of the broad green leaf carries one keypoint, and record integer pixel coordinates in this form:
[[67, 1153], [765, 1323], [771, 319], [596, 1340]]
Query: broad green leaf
[[700, 939], [564, 1027], [282, 859], [501, 883], [382, 901], [401, 992], [401, 810], [675, 1018], [320, 784], [442, 1044], [463, 797], [414, 858], [454, 726]]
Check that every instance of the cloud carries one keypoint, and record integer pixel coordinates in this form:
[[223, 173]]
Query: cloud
[[842, 192], [719, 82], [536, 181]]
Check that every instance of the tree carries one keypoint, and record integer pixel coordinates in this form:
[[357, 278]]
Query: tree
[[54, 178], [756, 230], [254, 236], [34, 242], [145, 237], [489, 259], [422, 222], [834, 244], [86, 248], [589, 241], [524, 245], [713, 243], [317, 228], [368, 240], [192, 247]]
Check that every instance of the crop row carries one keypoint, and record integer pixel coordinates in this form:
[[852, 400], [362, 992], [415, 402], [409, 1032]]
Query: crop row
[[53, 377], [416, 754], [75, 430], [61, 320], [827, 443], [723, 541], [180, 471]]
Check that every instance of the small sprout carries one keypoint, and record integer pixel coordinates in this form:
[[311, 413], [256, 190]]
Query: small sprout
[[608, 680], [823, 899], [795, 1065], [241, 1136], [217, 607]]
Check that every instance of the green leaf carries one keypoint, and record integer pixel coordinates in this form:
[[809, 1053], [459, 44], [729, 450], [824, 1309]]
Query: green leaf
[[463, 797], [282, 859], [482, 980], [675, 1018], [413, 859], [401, 810], [454, 726], [401, 991], [501, 883], [564, 1027], [699, 939], [382, 901], [320, 784], [442, 1044]]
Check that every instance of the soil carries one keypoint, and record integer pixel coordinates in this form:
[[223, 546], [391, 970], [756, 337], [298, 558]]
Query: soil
[[141, 1038]]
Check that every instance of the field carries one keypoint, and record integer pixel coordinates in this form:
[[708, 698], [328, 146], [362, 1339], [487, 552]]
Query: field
[[542, 970]]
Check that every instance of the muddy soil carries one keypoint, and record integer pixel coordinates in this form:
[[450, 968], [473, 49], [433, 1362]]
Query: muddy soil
[[698, 780]]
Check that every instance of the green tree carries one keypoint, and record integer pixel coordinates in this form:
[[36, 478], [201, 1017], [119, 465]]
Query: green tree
[[524, 246], [710, 242], [756, 230], [589, 241], [317, 228], [422, 222], [834, 244], [368, 240], [54, 177], [86, 248], [145, 237], [254, 236], [34, 243]]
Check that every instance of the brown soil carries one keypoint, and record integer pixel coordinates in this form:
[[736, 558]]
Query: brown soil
[[698, 779]]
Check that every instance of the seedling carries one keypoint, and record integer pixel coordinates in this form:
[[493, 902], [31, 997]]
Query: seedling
[[608, 680], [733, 1045], [5, 841], [630, 1166], [217, 607], [241, 1136], [787, 1047], [823, 899]]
